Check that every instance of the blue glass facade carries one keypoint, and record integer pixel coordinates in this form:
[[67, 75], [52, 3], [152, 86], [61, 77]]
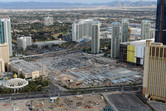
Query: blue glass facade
[[161, 22], [2, 38]]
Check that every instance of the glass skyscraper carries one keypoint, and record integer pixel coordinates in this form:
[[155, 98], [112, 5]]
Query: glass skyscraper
[[5, 33], [125, 34], [115, 40], [161, 22], [145, 29], [2, 37]]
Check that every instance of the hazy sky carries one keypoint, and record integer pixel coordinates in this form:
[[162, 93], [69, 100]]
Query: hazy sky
[[71, 1]]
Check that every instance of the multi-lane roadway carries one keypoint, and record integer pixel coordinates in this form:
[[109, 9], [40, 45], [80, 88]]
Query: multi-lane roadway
[[56, 92]]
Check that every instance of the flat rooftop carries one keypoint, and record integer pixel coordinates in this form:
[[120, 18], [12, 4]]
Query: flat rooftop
[[27, 67], [82, 21], [138, 42], [50, 42], [126, 102]]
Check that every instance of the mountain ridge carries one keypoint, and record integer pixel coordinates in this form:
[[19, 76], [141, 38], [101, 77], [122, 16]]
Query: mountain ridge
[[59, 5]]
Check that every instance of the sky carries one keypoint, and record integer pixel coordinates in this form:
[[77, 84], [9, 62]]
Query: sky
[[70, 1]]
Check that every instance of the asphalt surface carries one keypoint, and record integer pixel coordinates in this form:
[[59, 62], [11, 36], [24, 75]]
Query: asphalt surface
[[158, 106], [127, 102], [56, 92]]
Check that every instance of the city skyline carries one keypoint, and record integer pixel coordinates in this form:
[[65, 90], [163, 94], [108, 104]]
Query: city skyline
[[82, 55]]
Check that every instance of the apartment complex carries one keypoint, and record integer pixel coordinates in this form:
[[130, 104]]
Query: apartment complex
[[5, 33], [82, 29], [125, 31], [154, 82], [145, 30], [115, 41], [23, 42], [95, 42], [48, 21]]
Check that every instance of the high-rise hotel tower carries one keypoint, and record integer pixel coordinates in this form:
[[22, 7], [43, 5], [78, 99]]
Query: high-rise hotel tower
[[115, 41], [5, 33], [161, 22], [125, 33], [95, 42], [154, 81], [82, 29]]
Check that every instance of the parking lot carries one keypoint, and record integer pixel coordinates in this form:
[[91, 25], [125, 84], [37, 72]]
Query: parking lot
[[126, 102], [80, 70]]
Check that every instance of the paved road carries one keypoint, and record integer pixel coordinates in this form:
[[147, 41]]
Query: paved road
[[68, 93], [126, 102], [61, 52], [57, 85]]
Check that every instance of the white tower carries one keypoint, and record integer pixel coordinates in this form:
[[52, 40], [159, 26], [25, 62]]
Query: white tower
[[115, 41], [145, 30], [125, 35], [95, 43]]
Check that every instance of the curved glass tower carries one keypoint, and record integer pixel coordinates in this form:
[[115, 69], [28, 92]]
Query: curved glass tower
[[2, 38], [161, 22]]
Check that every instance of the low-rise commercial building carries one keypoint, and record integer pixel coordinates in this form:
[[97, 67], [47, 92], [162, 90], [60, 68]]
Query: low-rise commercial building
[[27, 69], [23, 42], [133, 52], [49, 43]]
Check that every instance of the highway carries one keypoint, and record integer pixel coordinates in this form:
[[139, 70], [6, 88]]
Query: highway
[[35, 95]]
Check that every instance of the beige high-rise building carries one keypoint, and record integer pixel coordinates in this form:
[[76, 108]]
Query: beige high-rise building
[[2, 66], [154, 81], [4, 56], [4, 52]]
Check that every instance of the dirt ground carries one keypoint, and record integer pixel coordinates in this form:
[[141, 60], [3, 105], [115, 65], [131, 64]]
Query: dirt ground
[[71, 103]]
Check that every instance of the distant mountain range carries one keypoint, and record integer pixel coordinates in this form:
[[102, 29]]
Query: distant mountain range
[[61, 5]]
